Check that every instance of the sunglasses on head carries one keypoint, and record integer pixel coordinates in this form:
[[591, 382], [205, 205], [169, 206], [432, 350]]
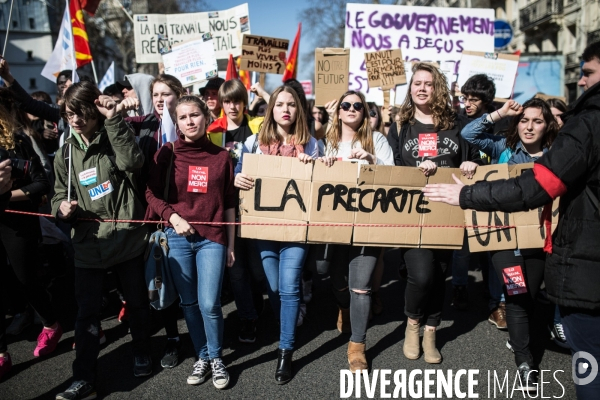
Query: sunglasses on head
[[346, 106]]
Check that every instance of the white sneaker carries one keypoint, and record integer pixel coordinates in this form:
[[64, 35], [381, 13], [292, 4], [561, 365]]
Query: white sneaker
[[307, 291], [301, 315], [220, 376], [200, 373], [19, 323]]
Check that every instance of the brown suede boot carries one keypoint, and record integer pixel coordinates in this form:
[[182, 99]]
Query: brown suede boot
[[343, 322], [356, 356], [432, 354], [411, 347]]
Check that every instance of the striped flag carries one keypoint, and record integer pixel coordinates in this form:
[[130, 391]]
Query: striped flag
[[63, 53], [109, 77], [80, 37]]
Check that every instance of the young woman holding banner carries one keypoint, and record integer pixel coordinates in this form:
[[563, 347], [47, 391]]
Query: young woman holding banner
[[426, 114], [351, 138], [198, 253], [530, 135], [284, 133]]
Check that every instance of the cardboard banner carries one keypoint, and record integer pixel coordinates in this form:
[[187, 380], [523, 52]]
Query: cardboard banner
[[281, 193], [422, 33], [385, 69], [226, 27], [331, 74], [348, 195], [264, 54], [192, 62], [501, 68]]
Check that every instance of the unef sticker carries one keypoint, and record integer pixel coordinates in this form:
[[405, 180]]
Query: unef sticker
[[514, 280], [87, 177], [197, 179], [101, 190], [428, 144]]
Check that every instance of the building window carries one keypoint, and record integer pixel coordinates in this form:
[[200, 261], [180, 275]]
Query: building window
[[29, 55], [32, 84], [31, 23], [15, 24]]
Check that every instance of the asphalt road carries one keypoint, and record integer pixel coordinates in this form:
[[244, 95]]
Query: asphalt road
[[467, 342]]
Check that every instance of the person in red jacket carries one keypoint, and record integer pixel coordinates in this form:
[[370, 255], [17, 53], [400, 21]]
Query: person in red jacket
[[200, 189]]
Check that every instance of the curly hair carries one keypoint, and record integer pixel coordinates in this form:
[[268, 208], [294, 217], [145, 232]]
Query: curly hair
[[8, 125], [442, 113], [364, 134], [512, 135], [268, 132]]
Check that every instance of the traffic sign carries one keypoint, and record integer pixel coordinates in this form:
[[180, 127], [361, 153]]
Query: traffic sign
[[503, 34]]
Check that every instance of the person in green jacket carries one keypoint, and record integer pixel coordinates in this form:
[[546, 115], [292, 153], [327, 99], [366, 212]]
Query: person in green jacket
[[105, 159]]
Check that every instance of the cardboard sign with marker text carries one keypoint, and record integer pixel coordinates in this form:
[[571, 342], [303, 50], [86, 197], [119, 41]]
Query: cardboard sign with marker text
[[385, 69], [481, 235], [264, 54], [331, 74], [280, 194]]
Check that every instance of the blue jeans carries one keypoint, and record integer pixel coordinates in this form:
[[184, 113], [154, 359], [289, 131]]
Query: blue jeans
[[283, 263], [197, 266]]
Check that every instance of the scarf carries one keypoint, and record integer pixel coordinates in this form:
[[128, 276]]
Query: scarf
[[283, 150]]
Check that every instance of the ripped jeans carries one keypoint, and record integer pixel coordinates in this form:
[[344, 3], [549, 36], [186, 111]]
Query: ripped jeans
[[351, 274], [197, 267]]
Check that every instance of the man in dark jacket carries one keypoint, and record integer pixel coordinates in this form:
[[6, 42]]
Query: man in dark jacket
[[571, 170]]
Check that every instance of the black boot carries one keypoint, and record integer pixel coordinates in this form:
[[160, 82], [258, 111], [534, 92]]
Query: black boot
[[283, 373]]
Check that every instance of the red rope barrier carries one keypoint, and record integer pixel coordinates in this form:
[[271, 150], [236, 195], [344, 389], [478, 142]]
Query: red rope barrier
[[133, 221]]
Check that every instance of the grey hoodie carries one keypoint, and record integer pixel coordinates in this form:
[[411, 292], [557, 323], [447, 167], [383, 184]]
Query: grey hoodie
[[141, 85]]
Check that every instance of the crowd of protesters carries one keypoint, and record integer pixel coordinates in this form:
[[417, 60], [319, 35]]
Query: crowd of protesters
[[96, 156]]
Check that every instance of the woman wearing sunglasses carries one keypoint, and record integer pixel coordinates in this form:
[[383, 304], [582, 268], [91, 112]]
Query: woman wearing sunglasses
[[426, 114], [351, 138]]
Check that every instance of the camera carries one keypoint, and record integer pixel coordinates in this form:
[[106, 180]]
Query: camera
[[20, 168]]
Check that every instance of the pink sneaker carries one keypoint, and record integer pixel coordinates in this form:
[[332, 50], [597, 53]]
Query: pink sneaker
[[47, 341], [5, 365]]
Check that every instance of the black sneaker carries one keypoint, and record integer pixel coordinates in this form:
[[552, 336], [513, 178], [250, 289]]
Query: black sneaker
[[248, 332], [142, 366], [220, 376], [79, 390], [528, 378], [558, 335], [200, 373], [460, 300], [171, 357]]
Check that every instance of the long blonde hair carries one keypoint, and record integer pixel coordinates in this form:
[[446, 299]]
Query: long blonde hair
[[8, 124], [364, 134], [442, 113], [268, 132]]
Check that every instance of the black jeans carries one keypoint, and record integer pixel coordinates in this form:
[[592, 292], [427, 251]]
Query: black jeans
[[352, 269], [426, 285], [88, 293], [520, 307], [19, 237]]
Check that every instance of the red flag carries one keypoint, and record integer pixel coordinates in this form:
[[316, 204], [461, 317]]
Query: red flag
[[90, 6], [80, 37], [244, 75], [231, 70], [292, 61]]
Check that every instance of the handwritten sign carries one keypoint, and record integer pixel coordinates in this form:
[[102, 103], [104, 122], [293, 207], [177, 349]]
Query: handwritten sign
[[226, 28], [193, 61], [501, 68], [331, 74], [264, 54], [385, 69], [422, 33]]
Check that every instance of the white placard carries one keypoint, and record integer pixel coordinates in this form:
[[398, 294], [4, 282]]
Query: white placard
[[502, 69], [226, 27], [423, 33], [192, 62]]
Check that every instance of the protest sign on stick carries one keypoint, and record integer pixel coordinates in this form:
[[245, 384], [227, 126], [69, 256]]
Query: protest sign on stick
[[226, 27], [331, 74], [193, 61], [264, 54], [501, 68], [385, 69]]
